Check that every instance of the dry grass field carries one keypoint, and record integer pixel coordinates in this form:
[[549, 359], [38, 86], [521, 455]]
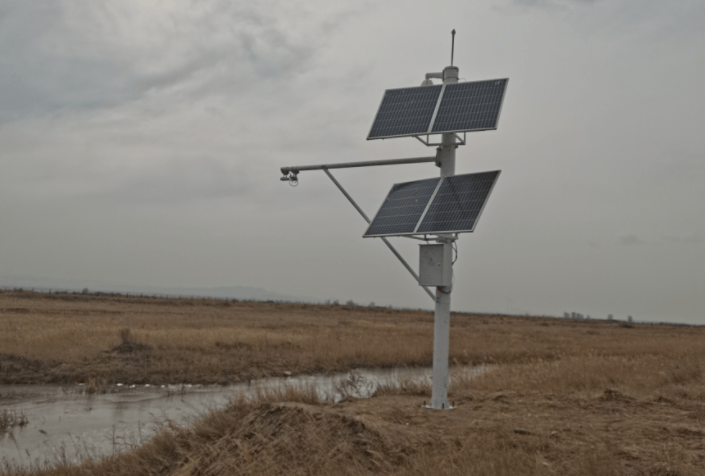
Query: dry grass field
[[564, 398]]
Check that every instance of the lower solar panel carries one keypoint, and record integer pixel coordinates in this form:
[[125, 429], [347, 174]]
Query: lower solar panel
[[458, 203], [403, 208], [433, 206]]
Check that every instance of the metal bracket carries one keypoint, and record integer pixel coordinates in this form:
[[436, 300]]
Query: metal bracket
[[428, 142]]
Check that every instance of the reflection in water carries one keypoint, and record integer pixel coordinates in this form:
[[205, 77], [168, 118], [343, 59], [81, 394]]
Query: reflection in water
[[66, 425]]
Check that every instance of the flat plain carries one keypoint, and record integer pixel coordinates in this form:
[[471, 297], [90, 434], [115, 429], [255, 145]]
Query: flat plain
[[562, 397]]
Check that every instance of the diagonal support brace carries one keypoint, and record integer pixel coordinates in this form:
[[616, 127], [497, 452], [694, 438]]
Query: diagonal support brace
[[386, 241]]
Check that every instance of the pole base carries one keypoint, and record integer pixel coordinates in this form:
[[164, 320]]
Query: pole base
[[441, 407]]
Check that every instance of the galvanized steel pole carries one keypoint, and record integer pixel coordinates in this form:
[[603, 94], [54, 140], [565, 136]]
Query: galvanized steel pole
[[441, 317]]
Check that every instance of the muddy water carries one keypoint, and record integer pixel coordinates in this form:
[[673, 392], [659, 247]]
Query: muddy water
[[66, 425]]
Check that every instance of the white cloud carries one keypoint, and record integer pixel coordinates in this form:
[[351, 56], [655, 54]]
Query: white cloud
[[683, 238], [630, 239]]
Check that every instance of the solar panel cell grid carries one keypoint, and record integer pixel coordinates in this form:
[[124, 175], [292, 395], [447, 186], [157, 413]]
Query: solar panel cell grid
[[470, 106], [403, 208], [405, 111], [473, 106], [458, 203], [455, 205]]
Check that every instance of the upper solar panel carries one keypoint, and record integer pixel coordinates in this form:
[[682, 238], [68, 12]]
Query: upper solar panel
[[470, 106], [405, 112], [459, 107], [432, 206]]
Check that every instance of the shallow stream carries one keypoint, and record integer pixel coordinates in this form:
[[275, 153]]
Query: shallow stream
[[65, 424]]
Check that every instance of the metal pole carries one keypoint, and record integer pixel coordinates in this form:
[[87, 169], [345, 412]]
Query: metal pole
[[441, 344], [441, 316]]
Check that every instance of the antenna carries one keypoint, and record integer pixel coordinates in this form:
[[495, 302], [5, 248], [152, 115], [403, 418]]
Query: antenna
[[436, 209]]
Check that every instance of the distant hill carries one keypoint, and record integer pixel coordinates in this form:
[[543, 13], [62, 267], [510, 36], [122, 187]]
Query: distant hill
[[8, 281]]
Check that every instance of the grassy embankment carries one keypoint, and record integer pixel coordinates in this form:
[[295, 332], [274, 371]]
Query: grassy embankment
[[568, 398]]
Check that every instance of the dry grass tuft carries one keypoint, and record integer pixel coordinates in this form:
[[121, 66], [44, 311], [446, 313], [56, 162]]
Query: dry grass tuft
[[408, 386], [10, 419], [95, 385], [493, 455], [296, 394], [128, 344]]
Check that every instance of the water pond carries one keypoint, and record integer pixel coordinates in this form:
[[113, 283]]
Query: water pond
[[65, 424]]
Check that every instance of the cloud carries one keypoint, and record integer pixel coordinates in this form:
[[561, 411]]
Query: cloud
[[641, 20], [164, 102], [82, 55], [630, 239], [683, 238], [553, 3], [667, 238], [177, 182]]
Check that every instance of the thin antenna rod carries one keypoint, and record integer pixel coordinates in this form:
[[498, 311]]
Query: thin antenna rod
[[452, 47]]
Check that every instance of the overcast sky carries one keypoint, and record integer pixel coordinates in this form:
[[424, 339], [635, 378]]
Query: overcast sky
[[140, 143]]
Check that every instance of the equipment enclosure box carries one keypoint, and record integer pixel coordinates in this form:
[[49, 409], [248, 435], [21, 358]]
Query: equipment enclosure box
[[435, 266]]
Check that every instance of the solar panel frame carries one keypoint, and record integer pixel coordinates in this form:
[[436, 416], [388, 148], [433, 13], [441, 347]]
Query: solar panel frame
[[423, 123], [436, 111], [371, 232]]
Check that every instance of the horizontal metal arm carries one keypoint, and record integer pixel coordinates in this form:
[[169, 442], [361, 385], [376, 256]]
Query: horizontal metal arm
[[348, 165]]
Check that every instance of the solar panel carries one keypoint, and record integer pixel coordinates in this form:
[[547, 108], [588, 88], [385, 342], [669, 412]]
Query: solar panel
[[459, 107], [470, 106], [404, 112], [432, 206], [458, 203], [403, 208]]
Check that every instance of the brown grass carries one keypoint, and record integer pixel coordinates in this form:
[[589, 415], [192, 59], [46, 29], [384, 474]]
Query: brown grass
[[65, 338], [50, 338], [576, 398]]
